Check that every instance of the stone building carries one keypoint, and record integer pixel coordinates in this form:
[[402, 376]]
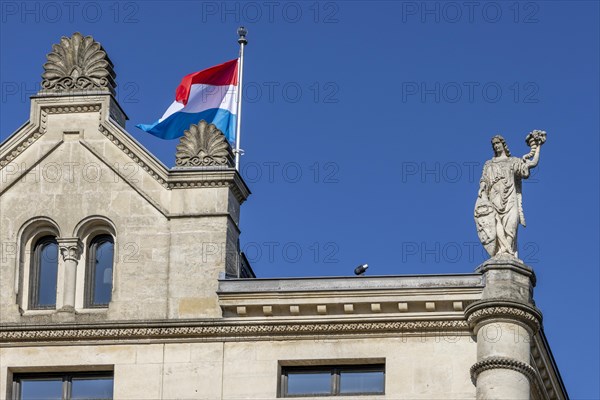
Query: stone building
[[122, 278]]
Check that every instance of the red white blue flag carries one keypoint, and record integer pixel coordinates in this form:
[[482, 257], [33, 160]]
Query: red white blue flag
[[209, 95]]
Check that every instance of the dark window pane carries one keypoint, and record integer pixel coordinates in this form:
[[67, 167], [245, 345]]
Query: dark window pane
[[361, 382], [50, 389], [92, 388], [309, 383], [47, 259], [103, 272]]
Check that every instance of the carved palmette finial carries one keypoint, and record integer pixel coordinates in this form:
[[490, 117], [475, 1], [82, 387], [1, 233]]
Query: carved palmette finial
[[78, 63], [203, 145]]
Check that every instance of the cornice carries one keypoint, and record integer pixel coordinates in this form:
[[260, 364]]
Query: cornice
[[218, 331], [548, 381], [488, 310], [502, 363], [183, 178], [444, 296], [445, 282]]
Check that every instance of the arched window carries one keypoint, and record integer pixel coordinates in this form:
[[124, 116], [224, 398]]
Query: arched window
[[99, 271], [44, 273]]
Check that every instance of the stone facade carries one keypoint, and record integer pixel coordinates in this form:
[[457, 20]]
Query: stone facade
[[183, 322]]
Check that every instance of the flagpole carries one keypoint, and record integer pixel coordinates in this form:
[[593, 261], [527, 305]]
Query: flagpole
[[242, 32]]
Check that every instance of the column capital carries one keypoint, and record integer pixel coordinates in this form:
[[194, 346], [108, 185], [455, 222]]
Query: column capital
[[70, 248], [491, 310]]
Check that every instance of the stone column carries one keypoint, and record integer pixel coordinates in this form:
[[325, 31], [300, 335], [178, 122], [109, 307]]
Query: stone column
[[504, 321], [70, 249]]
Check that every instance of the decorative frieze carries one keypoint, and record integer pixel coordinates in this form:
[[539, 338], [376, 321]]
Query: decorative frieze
[[76, 108], [220, 332]]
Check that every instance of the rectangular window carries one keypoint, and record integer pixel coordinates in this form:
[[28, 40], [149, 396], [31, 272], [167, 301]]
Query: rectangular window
[[63, 386], [332, 380]]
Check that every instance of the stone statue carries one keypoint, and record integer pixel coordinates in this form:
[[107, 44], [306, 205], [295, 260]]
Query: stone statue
[[498, 209]]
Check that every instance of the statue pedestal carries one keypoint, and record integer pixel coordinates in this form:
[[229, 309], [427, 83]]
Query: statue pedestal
[[504, 321]]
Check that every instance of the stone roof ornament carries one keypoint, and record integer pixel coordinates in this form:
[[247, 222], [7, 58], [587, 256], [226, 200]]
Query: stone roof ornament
[[203, 145], [498, 209], [78, 63]]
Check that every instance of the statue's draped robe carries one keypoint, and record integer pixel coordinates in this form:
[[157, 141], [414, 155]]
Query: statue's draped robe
[[502, 178]]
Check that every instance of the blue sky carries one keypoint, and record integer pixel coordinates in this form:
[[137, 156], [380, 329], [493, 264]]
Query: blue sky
[[365, 128]]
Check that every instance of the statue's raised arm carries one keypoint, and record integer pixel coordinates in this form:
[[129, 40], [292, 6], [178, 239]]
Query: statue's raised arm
[[498, 209]]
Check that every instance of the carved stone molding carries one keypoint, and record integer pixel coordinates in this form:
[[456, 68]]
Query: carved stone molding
[[70, 248], [203, 145], [78, 63], [32, 137], [132, 155], [77, 108], [498, 309], [220, 332], [502, 363]]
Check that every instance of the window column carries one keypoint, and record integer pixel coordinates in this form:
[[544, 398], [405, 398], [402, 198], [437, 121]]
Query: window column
[[70, 250]]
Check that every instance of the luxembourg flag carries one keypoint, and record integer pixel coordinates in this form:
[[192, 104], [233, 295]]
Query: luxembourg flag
[[209, 95]]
